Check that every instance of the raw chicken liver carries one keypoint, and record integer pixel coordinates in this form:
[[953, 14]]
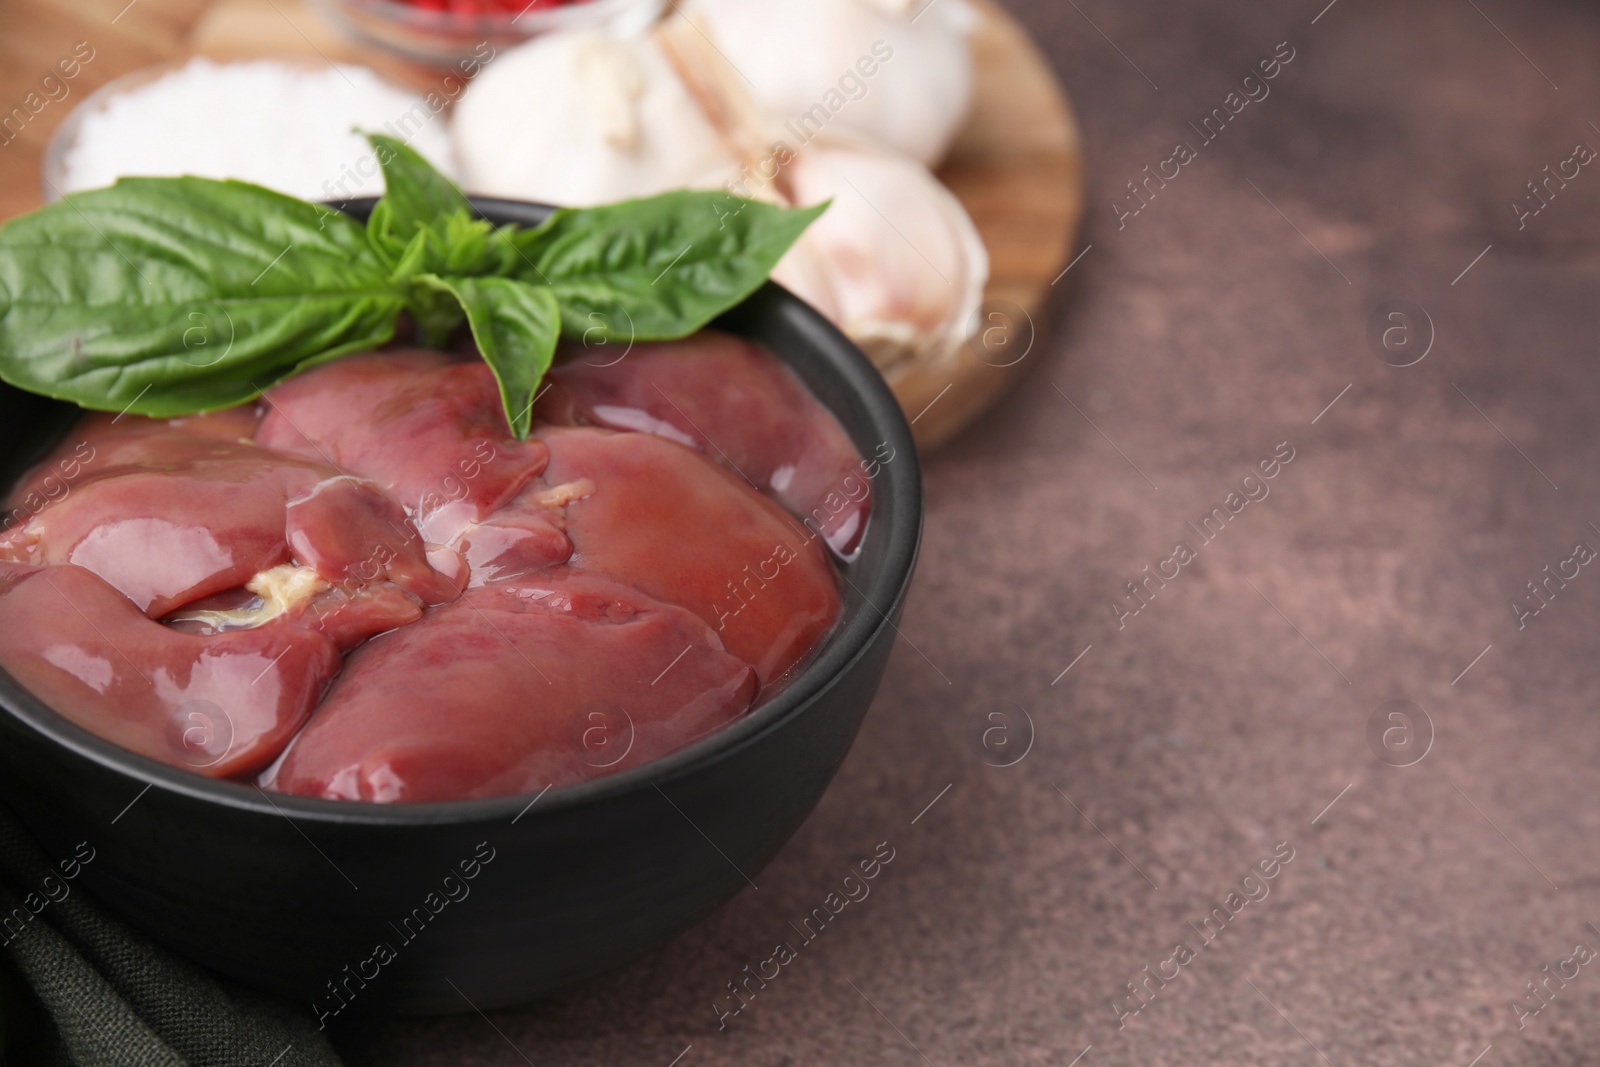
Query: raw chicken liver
[[365, 588], [727, 398], [428, 429], [179, 518], [663, 520], [169, 516], [520, 684], [223, 704]]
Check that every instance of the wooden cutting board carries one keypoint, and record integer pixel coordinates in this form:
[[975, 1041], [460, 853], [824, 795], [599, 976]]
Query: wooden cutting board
[[1017, 166]]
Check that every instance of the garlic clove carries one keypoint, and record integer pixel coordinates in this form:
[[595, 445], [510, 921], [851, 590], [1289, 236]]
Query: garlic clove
[[611, 88], [805, 272], [897, 71], [582, 118], [896, 262]]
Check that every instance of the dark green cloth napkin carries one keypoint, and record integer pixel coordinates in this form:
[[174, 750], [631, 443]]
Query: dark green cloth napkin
[[86, 991]]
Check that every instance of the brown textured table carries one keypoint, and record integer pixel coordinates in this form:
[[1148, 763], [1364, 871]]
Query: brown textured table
[[1232, 712], [1221, 320]]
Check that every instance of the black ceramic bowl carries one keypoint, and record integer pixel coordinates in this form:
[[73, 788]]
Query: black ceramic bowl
[[293, 895]]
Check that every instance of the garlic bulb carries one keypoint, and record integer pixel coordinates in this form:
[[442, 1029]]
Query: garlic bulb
[[582, 118], [587, 118], [895, 262], [896, 71]]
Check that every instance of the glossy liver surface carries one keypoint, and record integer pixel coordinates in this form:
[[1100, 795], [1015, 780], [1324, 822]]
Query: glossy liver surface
[[365, 588]]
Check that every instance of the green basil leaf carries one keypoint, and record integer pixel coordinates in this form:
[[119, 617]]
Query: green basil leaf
[[464, 245], [516, 326], [502, 256], [415, 196], [167, 296], [415, 257], [657, 269]]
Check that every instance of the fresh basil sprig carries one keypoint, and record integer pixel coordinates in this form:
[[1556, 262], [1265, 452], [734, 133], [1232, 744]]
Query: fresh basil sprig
[[170, 296], [648, 269]]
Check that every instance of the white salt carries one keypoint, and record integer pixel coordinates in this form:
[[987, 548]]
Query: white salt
[[284, 125]]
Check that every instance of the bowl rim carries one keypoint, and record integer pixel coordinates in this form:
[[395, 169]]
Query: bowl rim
[[897, 498]]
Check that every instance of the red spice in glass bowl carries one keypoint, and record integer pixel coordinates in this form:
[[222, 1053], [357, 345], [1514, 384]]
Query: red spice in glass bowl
[[465, 34], [489, 7]]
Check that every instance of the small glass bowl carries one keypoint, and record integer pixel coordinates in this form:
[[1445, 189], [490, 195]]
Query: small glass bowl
[[456, 39], [53, 167]]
